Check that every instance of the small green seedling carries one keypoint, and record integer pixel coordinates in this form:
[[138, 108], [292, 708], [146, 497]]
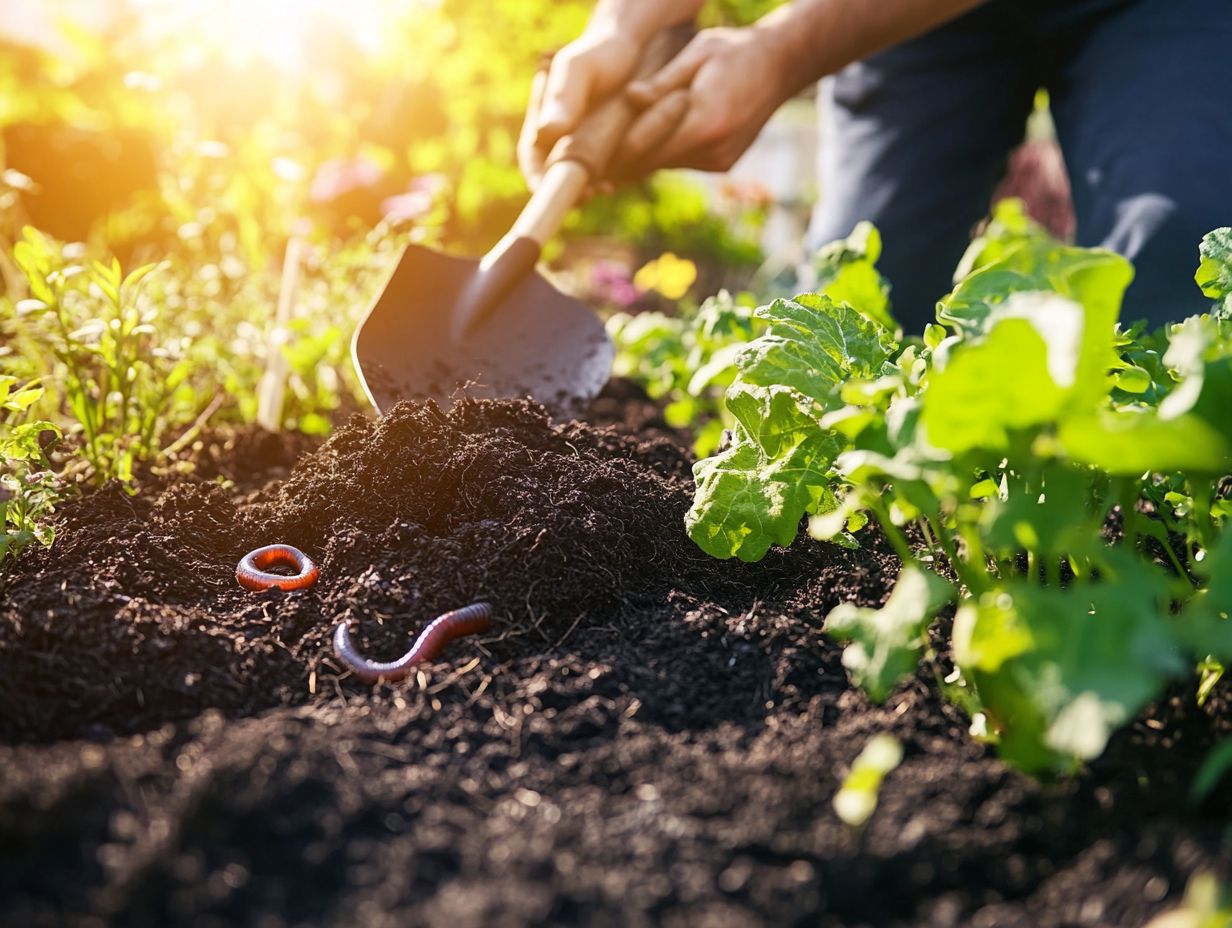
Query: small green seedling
[[1207, 904], [856, 801]]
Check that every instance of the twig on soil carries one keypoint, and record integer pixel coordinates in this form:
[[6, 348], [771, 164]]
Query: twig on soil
[[565, 636], [455, 676], [388, 751], [480, 689], [195, 429], [537, 624]]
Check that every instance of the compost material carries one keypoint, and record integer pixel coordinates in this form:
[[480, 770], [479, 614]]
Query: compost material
[[645, 736]]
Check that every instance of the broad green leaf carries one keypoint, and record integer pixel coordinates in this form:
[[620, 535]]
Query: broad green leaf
[[1133, 379], [720, 367], [1008, 228], [968, 307], [814, 345], [1094, 278], [1213, 403], [777, 470], [650, 348], [990, 389], [1132, 442], [847, 273], [1214, 274], [22, 441], [23, 398], [755, 493], [884, 645], [1057, 671], [723, 319], [772, 417], [1053, 520], [1098, 285]]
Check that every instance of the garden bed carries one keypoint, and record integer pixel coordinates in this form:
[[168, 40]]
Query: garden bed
[[647, 735]]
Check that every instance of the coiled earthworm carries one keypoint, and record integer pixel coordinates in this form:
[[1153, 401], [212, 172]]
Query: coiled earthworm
[[253, 570], [470, 620]]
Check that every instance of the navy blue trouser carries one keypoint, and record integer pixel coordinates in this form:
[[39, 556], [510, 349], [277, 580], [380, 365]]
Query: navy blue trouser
[[916, 138]]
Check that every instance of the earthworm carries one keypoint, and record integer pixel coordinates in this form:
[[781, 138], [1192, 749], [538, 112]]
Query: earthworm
[[253, 571], [467, 621]]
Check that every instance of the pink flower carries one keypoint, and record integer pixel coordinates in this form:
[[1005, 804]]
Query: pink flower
[[611, 281], [417, 201], [340, 176]]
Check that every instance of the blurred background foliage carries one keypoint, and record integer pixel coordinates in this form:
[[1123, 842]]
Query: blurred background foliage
[[260, 118], [203, 136]]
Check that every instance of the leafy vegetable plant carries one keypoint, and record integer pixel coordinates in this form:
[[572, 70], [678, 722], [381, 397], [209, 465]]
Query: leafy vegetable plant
[[118, 383], [689, 359], [1053, 475], [29, 490]]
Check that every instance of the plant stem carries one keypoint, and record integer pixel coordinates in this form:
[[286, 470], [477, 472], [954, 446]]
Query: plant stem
[[76, 381], [961, 567], [897, 539]]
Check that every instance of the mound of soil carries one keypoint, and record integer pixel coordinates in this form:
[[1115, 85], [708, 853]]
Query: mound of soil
[[647, 736], [134, 618]]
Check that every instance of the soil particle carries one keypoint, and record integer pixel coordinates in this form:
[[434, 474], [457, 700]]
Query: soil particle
[[649, 738]]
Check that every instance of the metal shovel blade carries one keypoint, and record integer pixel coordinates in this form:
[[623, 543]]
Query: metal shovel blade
[[537, 342]]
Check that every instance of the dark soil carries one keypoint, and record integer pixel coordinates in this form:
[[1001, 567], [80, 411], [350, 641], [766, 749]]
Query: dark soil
[[646, 737]]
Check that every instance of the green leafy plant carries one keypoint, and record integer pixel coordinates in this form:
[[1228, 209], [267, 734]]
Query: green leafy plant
[[29, 490], [118, 383], [687, 359], [994, 454], [690, 358], [1207, 904], [1215, 269], [857, 799]]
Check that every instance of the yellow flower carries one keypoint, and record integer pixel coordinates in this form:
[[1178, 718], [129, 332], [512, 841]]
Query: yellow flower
[[669, 275]]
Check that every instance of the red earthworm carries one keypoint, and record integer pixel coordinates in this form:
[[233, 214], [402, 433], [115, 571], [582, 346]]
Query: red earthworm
[[470, 620], [253, 571]]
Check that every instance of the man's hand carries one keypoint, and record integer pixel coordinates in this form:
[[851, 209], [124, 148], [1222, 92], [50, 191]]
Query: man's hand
[[706, 106], [702, 110], [592, 67]]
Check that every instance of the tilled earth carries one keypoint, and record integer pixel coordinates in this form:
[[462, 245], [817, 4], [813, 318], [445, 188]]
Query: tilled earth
[[646, 737]]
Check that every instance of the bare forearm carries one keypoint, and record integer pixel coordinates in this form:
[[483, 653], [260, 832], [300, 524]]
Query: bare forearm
[[643, 18], [818, 37]]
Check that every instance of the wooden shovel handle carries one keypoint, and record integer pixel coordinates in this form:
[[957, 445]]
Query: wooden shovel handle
[[598, 136], [573, 164]]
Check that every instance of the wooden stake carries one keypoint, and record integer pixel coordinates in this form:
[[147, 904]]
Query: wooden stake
[[273, 385]]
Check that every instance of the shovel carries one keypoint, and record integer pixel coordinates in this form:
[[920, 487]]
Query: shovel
[[446, 327]]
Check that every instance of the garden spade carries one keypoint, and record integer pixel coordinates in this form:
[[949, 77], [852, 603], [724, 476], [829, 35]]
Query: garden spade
[[445, 327]]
